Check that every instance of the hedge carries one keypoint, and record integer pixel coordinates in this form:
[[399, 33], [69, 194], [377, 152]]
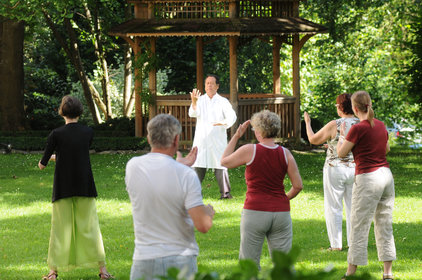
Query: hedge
[[37, 143]]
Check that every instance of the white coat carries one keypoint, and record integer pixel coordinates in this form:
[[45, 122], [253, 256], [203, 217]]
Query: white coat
[[211, 140]]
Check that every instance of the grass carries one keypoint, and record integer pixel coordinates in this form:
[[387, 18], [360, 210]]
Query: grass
[[25, 212]]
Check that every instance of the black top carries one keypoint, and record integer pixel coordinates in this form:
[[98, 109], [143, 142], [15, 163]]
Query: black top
[[73, 174]]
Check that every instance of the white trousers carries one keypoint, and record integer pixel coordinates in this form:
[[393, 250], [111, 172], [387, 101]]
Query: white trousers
[[373, 200], [338, 184]]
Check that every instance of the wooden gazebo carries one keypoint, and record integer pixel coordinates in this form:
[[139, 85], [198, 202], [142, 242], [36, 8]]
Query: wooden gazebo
[[276, 20]]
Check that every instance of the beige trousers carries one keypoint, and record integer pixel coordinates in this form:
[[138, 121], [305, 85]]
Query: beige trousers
[[372, 200]]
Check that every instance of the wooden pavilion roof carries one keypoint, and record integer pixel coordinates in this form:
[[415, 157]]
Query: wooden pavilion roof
[[217, 27]]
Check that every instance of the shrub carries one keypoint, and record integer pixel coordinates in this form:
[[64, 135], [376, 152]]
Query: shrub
[[29, 143], [283, 269]]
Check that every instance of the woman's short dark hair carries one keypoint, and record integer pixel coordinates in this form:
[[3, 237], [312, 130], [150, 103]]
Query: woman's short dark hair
[[70, 107], [344, 102]]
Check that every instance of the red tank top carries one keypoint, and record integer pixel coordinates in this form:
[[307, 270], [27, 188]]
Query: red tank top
[[264, 178]]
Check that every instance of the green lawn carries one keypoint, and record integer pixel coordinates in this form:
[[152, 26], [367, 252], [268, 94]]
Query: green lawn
[[25, 211]]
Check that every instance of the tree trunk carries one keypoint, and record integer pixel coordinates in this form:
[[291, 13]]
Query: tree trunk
[[99, 52], [12, 115], [128, 92], [72, 53]]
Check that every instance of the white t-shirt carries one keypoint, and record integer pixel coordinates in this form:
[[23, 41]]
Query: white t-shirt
[[161, 191], [211, 140]]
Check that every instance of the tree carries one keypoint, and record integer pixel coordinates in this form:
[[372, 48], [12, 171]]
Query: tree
[[12, 115], [81, 29], [367, 49]]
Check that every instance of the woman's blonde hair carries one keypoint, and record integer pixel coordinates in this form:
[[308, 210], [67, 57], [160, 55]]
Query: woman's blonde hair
[[268, 123], [362, 101]]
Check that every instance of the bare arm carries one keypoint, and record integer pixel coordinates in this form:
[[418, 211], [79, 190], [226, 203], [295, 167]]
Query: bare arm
[[202, 217], [231, 158], [294, 176], [324, 134]]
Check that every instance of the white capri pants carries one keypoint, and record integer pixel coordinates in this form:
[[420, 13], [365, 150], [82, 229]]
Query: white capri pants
[[338, 185], [372, 199]]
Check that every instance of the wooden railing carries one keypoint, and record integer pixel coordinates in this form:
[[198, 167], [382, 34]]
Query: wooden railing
[[178, 106]]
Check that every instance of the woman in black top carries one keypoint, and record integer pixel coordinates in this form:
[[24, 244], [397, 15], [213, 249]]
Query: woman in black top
[[75, 238]]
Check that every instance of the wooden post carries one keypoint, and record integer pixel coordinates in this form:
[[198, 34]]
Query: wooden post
[[138, 89], [296, 86], [276, 64], [200, 64], [150, 10], [234, 87], [140, 10], [233, 9], [152, 78]]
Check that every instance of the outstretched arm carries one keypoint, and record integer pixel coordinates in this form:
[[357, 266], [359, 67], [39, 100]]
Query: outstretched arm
[[324, 134], [231, 158]]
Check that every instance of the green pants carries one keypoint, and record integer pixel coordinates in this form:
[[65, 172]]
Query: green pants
[[75, 238]]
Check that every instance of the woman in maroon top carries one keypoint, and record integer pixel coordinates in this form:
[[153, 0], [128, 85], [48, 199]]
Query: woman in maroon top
[[373, 191], [266, 212]]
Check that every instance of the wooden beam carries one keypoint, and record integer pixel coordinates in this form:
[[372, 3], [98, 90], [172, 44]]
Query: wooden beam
[[296, 85], [152, 81], [233, 9], [200, 64], [129, 40], [234, 87], [276, 64], [140, 10], [138, 89], [304, 40]]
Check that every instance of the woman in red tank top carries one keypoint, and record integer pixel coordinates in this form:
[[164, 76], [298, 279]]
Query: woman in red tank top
[[266, 212]]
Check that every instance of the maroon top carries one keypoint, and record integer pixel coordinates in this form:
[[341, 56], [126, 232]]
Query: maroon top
[[370, 146], [264, 178]]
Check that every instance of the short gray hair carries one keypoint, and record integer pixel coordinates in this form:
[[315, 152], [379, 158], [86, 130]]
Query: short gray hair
[[268, 123], [162, 129]]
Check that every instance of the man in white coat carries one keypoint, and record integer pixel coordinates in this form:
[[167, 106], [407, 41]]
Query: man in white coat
[[214, 115]]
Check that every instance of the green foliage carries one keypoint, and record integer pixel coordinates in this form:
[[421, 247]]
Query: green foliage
[[42, 111], [283, 269], [116, 127], [99, 144], [366, 50], [177, 58]]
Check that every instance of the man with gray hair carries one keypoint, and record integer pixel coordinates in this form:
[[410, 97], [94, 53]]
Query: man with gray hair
[[166, 204]]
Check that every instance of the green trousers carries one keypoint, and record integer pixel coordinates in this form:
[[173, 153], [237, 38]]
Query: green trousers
[[75, 238]]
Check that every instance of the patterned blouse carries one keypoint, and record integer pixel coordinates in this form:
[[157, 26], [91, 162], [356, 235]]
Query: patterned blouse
[[332, 158]]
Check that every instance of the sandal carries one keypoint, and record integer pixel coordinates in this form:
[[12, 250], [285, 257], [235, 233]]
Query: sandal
[[105, 276], [51, 276], [387, 277], [333, 249]]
